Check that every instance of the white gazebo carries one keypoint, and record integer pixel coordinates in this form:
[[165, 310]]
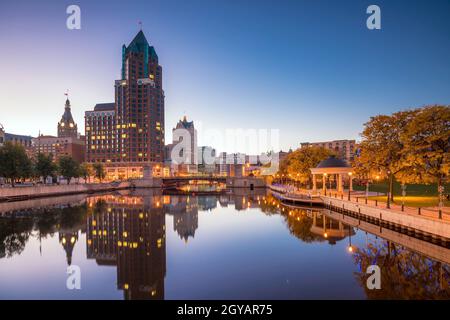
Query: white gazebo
[[332, 166]]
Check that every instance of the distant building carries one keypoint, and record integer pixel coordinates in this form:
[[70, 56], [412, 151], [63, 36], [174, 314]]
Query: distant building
[[57, 147], [19, 139], [2, 135], [344, 149], [67, 127], [207, 160], [186, 160], [25, 141]]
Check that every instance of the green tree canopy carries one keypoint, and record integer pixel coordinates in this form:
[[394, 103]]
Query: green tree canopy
[[14, 162], [86, 170], [44, 166], [426, 141], [381, 149], [68, 168], [299, 162], [99, 171]]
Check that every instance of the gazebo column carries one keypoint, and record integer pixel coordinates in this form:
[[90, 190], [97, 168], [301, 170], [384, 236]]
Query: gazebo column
[[314, 183], [339, 183], [350, 182], [323, 183]]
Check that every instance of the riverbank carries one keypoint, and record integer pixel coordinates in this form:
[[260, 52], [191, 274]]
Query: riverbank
[[42, 191]]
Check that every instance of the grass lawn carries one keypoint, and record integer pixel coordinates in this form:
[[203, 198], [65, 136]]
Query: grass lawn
[[417, 195], [414, 201]]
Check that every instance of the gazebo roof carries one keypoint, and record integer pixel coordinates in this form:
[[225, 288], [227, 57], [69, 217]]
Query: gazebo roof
[[333, 162]]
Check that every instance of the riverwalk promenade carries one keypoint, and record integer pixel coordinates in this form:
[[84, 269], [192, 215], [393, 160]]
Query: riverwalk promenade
[[427, 220]]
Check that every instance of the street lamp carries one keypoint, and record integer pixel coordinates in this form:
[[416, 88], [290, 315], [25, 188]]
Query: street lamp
[[367, 189], [349, 184]]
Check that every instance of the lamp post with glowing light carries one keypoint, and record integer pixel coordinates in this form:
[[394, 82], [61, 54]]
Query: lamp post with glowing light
[[349, 184]]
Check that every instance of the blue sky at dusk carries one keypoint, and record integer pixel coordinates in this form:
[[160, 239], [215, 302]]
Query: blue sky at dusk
[[309, 68]]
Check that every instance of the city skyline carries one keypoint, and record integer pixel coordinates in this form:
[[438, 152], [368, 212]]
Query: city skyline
[[222, 79]]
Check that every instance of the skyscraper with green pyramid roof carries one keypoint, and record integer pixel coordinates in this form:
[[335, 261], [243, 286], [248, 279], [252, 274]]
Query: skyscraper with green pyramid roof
[[130, 132]]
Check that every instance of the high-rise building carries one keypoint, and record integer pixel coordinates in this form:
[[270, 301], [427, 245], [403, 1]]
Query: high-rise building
[[130, 135], [344, 149], [67, 127]]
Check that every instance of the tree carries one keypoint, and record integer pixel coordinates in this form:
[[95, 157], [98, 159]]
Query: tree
[[99, 171], [86, 171], [381, 149], [14, 162], [44, 166], [427, 145], [299, 162], [68, 168]]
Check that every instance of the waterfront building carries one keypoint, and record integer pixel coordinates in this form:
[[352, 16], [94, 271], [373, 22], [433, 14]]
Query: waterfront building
[[344, 149], [129, 135]]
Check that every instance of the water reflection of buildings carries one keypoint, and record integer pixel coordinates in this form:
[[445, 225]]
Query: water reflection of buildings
[[185, 215], [68, 240], [129, 232], [330, 229]]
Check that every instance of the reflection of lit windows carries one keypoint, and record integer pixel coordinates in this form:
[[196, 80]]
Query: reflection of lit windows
[[159, 242], [125, 234], [126, 286]]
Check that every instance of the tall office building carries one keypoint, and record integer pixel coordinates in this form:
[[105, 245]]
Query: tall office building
[[136, 139]]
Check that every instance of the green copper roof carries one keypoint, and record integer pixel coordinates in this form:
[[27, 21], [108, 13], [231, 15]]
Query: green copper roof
[[139, 44]]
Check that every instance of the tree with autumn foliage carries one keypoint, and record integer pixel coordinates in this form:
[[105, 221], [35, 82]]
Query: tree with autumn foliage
[[426, 141], [299, 162], [382, 147]]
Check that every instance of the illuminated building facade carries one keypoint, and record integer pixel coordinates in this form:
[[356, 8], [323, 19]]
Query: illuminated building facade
[[130, 132]]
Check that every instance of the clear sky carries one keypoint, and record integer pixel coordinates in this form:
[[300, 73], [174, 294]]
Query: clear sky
[[309, 68]]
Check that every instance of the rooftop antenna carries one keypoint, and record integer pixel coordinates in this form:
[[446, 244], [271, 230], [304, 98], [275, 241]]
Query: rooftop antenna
[[140, 25]]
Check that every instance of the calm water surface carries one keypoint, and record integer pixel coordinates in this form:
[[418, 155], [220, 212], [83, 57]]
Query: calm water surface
[[145, 245]]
